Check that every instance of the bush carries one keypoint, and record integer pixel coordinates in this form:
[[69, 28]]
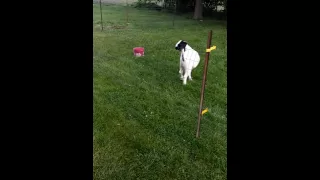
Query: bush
[[186, 6], [147, 4]]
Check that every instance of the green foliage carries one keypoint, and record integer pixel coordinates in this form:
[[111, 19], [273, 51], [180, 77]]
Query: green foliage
[[150, 4], [210, 7]]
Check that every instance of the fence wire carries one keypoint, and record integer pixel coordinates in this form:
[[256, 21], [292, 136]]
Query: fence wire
[[138, 16]]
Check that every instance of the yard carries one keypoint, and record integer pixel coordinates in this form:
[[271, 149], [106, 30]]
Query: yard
[[144, 118]]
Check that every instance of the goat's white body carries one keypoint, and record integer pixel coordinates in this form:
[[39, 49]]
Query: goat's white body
[[189, 59]]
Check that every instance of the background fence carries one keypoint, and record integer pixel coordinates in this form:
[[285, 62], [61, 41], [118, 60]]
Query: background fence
[[159, 13]]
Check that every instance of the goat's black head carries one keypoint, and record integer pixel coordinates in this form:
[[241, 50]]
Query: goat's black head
[[181, 45]]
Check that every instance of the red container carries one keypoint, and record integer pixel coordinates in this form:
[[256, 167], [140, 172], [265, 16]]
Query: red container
[[138, 51]]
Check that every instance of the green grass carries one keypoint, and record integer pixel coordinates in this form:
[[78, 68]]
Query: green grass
[[144, 118]]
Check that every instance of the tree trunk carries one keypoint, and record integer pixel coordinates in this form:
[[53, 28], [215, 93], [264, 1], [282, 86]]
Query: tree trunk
[[198, 10]]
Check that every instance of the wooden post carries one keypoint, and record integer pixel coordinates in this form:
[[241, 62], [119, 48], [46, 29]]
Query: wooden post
[[205, 70], [127, 13], [101, 16], [175, 12]]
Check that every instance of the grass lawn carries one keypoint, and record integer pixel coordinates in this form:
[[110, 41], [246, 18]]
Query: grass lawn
[[144, 118]]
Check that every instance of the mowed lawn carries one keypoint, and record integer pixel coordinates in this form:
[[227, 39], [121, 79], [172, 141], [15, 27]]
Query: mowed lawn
[[144, 118]]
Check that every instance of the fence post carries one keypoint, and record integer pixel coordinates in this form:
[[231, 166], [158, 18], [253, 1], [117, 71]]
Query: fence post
[[101, 16], [174, 12], [205, 70], [127, 12]]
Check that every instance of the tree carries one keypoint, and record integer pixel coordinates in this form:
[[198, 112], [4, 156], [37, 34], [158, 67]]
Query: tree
[[198, 10]]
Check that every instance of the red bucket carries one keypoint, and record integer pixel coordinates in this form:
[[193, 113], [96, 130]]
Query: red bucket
[[138, 51]]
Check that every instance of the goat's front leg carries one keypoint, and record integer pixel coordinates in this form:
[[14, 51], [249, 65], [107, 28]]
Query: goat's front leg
[[185, 76], [189, 75], [181, 73], [181, 70], [190, 78]]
